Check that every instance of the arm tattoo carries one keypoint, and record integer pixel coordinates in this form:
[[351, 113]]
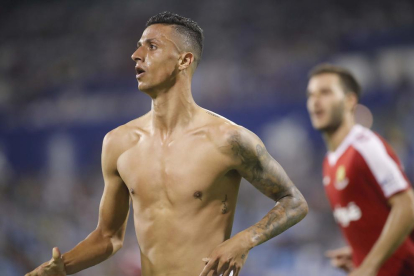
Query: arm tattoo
[[263, 172], [259, 168]]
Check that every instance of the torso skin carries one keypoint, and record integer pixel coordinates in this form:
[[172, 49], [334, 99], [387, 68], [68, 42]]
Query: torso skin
[[183, 191], [180, 166]]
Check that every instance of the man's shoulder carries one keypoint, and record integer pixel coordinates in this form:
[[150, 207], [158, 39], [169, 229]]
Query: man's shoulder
[[229, 136], [223, 130], [381, 160], [370, 144], [364, 136], [213, 119], [126, 134]]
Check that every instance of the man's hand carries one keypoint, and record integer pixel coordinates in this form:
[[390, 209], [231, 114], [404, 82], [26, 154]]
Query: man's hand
[[227, 257], [55, 267], [341, 258]]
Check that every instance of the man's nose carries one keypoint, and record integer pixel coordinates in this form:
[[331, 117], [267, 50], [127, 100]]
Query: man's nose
[[316, 102], [137, 55], [313, 102]]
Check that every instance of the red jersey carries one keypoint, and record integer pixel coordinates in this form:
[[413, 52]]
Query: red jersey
[[359, 177]]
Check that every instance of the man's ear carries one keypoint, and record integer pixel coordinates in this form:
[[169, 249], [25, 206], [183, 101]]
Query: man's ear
[[185, 61], [351, 100]]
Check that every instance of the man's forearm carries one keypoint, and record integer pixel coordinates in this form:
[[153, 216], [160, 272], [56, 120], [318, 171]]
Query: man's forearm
[[93, 250], [287, 212], [397, 227]]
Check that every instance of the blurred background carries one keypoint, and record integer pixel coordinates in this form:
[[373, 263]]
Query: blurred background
[[66, 79]]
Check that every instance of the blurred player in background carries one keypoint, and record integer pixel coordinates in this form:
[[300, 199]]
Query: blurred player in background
[[180, 165], [371, 197]]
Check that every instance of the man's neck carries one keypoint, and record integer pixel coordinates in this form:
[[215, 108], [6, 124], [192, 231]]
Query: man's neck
[[172, 109], [334, 138]]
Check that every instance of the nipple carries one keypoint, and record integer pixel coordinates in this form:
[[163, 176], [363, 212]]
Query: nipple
[[198, 194]]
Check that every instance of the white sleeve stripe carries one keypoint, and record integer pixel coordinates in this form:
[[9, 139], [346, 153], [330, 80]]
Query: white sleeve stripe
[[385, 170]]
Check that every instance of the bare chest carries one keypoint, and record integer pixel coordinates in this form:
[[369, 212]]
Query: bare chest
[[176, 172]]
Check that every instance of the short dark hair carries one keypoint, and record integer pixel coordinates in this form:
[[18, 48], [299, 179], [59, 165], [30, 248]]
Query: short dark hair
[[348, 81], [184, 26]]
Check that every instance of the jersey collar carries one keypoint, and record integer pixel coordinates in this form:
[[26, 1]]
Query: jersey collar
[[333, 156]]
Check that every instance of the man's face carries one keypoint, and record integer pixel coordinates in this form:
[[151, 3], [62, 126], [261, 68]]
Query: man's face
[[326, 101], [157, 57]]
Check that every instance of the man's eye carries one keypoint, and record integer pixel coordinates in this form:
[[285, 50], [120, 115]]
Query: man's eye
[[153, 47]]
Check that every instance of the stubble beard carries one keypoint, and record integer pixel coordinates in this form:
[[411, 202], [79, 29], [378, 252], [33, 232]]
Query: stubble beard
[[335, 120]]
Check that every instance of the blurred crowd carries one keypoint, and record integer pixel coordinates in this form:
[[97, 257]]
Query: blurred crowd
[[66, 79]]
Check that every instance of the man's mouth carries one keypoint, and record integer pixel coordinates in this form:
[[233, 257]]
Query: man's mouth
[[318, 113], [139, 71]]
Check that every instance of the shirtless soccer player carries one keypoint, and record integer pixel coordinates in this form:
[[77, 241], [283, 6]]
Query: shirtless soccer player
[[371, 198], [180, 165]]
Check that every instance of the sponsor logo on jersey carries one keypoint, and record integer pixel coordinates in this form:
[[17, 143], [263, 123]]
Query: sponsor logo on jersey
[[341, 180], [389, 181], [344, 215]]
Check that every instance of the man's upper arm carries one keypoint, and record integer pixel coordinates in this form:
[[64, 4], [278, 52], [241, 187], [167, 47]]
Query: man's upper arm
[[114, 206], [404, 199], [386, 170], [256, 165]]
